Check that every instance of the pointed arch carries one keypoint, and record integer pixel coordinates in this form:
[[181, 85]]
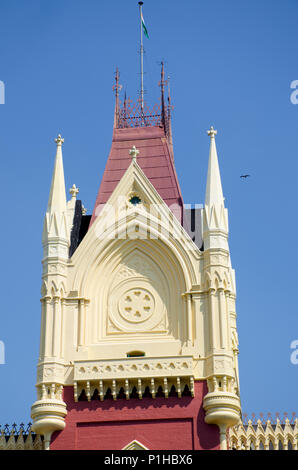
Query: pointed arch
[[135, 445], [207, 280], [62, 289], [261, 445], [54, 288], [162, 277], [97, 244], [44, 288], [226, 281], [157, 275]]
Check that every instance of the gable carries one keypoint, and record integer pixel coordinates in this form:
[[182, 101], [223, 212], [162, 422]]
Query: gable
[[155, 159]]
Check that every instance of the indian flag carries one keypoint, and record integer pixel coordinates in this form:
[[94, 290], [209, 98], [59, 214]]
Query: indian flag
[[144, 26]]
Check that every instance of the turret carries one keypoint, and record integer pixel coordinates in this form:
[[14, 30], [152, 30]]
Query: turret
[[222, 403], [49, 410]]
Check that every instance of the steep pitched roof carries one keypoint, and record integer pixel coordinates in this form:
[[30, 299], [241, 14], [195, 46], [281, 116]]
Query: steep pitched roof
[[155, 159]]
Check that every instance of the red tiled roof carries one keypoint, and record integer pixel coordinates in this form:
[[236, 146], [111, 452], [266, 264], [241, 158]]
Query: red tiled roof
[[155, 159]]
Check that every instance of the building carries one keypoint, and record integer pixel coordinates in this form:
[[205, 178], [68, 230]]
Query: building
[[138, 331], [138, 346]]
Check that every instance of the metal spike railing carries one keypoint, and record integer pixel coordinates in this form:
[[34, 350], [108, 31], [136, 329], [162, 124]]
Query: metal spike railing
[[14, 437], [272, 417]]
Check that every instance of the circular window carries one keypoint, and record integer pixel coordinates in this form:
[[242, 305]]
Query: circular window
[[136, 305], [135, 200]]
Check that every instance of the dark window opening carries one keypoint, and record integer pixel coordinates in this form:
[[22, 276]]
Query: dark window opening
[[135, 354], [135, 200]]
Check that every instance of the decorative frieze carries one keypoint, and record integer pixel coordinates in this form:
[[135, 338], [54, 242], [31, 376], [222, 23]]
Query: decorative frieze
[[134, 368], [133, 375]]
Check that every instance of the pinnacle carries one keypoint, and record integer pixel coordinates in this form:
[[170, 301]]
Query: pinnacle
[[214, 194], [57, 198]]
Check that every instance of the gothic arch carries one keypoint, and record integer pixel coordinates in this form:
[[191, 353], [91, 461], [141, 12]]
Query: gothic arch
[[93, 251], [143, 269], [226, 281], [62, 288], [135, 445], [54, 288], [44, 288], [207, 280]]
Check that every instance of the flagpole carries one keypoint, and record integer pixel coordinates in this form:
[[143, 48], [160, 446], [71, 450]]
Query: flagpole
[[141, 54]]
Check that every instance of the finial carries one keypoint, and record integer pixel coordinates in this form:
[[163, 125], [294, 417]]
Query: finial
[[162, 81], [134, 153], [169, 91], [74, 191], [59, 140], [169, 123], [212, 132], [117, 87], [162, 84]]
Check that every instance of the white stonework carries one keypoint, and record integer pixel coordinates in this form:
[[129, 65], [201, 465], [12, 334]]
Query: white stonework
[[137, 282]]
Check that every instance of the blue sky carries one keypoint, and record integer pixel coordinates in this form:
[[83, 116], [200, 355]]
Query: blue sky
[[231, 64]]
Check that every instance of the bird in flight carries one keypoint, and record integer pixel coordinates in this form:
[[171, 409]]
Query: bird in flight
[[244, 176]]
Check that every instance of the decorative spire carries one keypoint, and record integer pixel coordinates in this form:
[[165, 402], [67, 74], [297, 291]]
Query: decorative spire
[[117, 87], [134, 152], [162, 84], [214, 194], [57, 198], [170, 107]]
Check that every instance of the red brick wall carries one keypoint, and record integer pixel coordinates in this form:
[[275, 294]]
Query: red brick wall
[[159, 424]]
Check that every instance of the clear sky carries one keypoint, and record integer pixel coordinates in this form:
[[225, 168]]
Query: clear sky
[[231, 64]]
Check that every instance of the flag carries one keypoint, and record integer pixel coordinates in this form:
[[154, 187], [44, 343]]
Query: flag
[[144, 26]]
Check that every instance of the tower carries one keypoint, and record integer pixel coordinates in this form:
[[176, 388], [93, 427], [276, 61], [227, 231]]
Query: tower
[[138, 342]]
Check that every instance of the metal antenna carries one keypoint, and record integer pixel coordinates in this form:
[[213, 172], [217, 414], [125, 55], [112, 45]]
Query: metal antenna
[[162, 85], [117, 87], [142, 58]]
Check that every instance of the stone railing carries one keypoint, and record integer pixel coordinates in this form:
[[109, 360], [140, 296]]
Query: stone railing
[[265, 434], [134, 367], [13, 438], [133, 377]]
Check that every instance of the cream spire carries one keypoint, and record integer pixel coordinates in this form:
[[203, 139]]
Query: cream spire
[[57, 198], [214, 194]]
